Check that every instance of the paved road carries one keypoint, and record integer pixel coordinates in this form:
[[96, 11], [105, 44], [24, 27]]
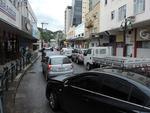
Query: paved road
[[30, 97]]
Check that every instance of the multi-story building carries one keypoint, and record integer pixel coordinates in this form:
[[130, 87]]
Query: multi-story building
[[92, 25], [129, 22], [76, 12], [18, 25], [68, 15], [85, 9]]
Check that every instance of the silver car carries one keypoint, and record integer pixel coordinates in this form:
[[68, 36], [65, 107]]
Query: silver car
[[57, 65]]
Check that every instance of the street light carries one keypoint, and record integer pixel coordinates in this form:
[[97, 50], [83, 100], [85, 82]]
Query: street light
[[42, 33], [125, 25]]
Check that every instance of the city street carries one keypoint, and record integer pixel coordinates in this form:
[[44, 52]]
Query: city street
[[30, 97]]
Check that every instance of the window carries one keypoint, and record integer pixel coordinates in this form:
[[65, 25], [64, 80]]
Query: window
[[102, 51], [122, 13], [59, 60], [112, 15], [115, 87], [139, 6], [105, 2], [137, 97], [90, 82], [66, 61], [89, 51]]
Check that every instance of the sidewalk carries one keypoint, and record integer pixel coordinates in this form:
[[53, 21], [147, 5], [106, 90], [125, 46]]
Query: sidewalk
[[9, 96]]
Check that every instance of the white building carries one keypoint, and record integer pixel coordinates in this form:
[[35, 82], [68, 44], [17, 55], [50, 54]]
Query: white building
[[112, 16], [18, 28], [68, 15]]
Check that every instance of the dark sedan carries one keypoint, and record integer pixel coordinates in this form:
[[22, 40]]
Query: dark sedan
[[99, 91]]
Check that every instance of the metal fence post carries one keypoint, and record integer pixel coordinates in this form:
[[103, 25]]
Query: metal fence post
[[20, 65], [12, 72], [16, 67]]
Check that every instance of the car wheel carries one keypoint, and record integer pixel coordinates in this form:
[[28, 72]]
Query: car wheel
[[53, 101], [88, 66]]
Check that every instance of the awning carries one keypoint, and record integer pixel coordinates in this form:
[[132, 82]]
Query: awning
[[11, 28]]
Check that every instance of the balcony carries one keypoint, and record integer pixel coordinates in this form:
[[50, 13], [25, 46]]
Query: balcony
[[89, 24]]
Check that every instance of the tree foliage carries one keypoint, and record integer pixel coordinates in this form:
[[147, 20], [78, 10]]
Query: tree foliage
[[46, 35]]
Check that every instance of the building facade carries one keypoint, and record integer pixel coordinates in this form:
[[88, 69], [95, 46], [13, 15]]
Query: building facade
[[85, 9], [92, 25], [16, 28], [68, 15], [129, 21], [76, 12]]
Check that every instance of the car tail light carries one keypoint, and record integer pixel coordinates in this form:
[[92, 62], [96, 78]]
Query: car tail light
[[49, 67]]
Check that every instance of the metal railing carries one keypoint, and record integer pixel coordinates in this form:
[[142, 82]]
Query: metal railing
[[10, 72]]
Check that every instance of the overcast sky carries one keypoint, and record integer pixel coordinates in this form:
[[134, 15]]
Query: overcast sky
[[51, 12]]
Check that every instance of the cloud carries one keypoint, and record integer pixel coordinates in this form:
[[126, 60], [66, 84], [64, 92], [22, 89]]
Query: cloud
[[50, 11]]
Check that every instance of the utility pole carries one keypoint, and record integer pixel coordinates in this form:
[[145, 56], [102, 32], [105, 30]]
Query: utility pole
[[42, 33], [125, 25]]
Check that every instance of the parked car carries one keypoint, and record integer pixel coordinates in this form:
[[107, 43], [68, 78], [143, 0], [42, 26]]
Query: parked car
[[56, 65], [74, 54], [80, 56], [99, 91], [66, 52]]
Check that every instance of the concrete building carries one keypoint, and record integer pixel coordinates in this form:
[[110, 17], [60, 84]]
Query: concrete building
[[68, 15], [134, 41], [76, 12], [85, 9], [92, 25], [16, 28]]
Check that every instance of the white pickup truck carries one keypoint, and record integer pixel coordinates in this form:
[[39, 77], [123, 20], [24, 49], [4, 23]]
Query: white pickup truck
[[95, 53]]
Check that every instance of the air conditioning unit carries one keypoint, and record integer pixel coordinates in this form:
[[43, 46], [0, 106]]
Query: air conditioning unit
[[145, 34]]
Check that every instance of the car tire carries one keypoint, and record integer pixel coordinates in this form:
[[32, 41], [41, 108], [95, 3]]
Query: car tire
[[88, 66], [53, 101]]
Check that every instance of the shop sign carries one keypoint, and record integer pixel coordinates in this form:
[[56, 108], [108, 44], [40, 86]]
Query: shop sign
[[143, 34], [7, 10]]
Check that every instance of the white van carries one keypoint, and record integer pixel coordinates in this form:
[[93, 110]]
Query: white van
[[96, 52]]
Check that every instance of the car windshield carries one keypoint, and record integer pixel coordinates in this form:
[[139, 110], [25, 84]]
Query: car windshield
[[59, 60]]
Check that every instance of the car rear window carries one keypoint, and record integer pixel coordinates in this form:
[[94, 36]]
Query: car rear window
[[59, 60]]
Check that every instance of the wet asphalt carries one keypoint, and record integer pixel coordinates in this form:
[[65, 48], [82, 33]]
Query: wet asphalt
[[30, 97]]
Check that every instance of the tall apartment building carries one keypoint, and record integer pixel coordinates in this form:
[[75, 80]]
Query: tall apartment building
[[135, 40], [68, 15], [76, 12], [85, 9]]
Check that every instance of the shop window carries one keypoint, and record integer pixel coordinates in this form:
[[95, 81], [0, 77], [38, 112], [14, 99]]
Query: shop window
[[146, 44]]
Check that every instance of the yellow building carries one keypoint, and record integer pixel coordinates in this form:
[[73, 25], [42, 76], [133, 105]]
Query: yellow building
[[85, 9], [92, 22]]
